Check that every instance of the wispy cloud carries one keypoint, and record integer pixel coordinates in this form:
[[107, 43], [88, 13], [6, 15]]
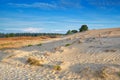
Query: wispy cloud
[[61, 4], [71, 3], [64, 4], [104, 3], [35, 5]]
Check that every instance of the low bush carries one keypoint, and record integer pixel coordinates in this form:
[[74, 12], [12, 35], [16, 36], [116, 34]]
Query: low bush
[[119, 74], [29, 45], [67, 45], [39, 44]]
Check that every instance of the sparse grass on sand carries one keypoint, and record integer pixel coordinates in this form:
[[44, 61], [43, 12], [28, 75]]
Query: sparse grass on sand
[[34, 61]]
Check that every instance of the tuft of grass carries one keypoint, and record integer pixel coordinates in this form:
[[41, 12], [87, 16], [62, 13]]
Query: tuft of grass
[[39, 44], [29, 45], [57, 67], [35, 62], [67, 45]]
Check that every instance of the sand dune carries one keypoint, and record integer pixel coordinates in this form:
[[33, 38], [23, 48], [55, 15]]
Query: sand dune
[[90, 55]]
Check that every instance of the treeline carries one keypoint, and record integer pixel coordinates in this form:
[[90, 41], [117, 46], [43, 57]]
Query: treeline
[[6, 35], [52, 35]]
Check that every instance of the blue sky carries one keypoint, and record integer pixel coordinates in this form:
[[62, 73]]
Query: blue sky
[[57, 15]]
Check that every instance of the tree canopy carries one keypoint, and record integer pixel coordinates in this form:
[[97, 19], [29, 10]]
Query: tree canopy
[[83, 28]]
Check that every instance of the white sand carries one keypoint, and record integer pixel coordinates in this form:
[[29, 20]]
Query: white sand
[[92, 55]]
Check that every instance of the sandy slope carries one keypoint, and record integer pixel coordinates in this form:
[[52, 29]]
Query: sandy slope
[[91, 55]]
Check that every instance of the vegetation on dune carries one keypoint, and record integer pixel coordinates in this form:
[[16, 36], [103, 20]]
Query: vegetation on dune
[[81, 29]]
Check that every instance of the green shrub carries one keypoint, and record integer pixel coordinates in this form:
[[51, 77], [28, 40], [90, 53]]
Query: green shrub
[[71, 31], [29, 45], [67, 45], [74, 31], [119, 74]]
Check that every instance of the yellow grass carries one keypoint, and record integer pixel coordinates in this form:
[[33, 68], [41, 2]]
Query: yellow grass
[[34, 61], [17, 42]]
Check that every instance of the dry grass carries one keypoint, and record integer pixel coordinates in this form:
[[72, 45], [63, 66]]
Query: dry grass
[[17, 42], [11, 56], [34, 61], [57, 67], [46, 54], [104, 73], [80, 41], [110, 50]]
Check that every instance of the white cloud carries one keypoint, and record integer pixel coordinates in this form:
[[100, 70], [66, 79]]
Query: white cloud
[[27, 30], [32, 30], [59, 31]]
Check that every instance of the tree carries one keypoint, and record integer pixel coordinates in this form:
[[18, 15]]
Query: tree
[[69, 32], [83, 28]]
